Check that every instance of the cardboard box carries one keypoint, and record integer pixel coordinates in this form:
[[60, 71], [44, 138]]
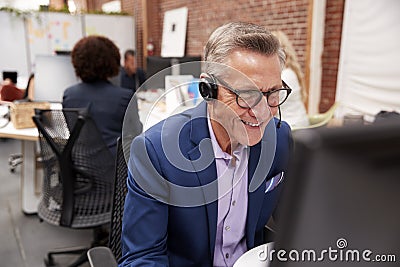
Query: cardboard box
[[22, 112]]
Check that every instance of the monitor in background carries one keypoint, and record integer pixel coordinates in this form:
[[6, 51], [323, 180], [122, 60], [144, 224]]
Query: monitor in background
[[155, 64], [12, 75], [194, 68], [162, 66], [53, 74], [63, 52], [342, 198]]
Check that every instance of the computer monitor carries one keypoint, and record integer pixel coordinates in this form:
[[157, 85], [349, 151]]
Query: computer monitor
[[53, 74], [190, 65], [162, 66], [341, 202], [63, 52], [12, 75], [155, 64]]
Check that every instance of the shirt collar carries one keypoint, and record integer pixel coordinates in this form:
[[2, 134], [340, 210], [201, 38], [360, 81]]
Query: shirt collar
[[218, 152]]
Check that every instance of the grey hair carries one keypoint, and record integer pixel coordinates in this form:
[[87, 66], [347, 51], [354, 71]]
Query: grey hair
[[240, 35]]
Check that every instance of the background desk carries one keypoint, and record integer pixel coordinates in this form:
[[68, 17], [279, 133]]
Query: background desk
[[30, 180]]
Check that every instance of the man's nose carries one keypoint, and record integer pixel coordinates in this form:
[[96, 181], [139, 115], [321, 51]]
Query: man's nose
[[261, 111]]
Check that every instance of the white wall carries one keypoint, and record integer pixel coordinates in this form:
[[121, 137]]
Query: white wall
[[13, 49], [41, 33], [369, 67]]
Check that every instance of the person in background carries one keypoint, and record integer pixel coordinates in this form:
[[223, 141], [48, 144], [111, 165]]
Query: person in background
[[130, 76], [95, 59], [8, 88], [202, 184], [293, 111]]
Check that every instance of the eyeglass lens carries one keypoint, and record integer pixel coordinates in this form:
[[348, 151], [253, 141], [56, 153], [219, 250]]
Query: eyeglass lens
[[249, 99]]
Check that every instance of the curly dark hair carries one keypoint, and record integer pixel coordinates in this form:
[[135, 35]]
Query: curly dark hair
[[95, 58]]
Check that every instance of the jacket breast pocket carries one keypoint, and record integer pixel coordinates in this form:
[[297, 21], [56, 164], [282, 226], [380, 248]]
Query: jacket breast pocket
[[274, 182]]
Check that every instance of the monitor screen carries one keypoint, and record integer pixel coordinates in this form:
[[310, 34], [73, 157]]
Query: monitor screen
[[341, 198], [162, 67], [63, 52], [155, 64], [12, 75], [53, 74]]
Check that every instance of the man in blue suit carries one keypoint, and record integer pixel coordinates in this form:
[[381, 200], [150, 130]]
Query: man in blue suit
[[202, 184]]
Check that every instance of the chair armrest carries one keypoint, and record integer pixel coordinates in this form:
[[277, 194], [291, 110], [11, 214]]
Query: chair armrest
[[317, 118], [101, 257]]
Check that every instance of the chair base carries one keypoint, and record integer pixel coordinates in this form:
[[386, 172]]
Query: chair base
[[100, 235], [49, 259], [13, 161]]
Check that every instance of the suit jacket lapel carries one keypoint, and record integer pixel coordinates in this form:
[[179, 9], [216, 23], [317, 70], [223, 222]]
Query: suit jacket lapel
[[203, 161]]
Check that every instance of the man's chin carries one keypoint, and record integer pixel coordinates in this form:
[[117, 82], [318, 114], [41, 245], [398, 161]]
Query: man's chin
[[251, 140]]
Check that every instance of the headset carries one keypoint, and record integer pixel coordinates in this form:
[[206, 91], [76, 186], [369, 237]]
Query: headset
[[208, 87]]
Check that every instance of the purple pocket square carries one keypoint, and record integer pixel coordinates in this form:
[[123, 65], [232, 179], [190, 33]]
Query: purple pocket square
[[273, 182]]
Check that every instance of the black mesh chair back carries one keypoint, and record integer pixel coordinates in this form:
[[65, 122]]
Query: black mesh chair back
[[78, 176], [119, 193], [78, 169]]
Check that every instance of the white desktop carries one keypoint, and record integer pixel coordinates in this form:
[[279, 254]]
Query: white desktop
[[53, 74]]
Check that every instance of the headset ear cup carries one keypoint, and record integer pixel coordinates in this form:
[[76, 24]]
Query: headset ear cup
[[208, 88], [204, 88]]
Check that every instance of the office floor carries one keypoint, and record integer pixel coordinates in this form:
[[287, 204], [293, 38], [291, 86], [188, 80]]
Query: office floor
[[24, 240]]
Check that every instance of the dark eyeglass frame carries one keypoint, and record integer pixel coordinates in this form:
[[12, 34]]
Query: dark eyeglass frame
[[261, 94]]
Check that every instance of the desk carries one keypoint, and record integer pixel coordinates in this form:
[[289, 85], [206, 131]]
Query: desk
[[154, 106], [30, 181]]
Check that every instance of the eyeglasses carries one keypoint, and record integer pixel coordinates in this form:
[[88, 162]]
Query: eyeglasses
[[250, 98]]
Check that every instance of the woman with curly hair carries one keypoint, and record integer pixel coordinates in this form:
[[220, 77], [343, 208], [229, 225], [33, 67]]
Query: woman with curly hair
[[95, 60]]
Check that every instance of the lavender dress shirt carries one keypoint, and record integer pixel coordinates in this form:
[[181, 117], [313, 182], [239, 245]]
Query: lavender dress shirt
[[230, 241]]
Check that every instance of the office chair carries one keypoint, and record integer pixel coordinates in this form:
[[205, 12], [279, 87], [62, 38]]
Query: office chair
[[14, 160], [106, 256], [78, 176], [319, 120], [119, 194]]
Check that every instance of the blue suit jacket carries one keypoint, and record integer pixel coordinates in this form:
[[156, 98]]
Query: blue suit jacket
[[107, 104], [157, 230]]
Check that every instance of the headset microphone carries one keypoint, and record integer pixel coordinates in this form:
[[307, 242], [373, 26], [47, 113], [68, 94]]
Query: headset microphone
[[280, 118]]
